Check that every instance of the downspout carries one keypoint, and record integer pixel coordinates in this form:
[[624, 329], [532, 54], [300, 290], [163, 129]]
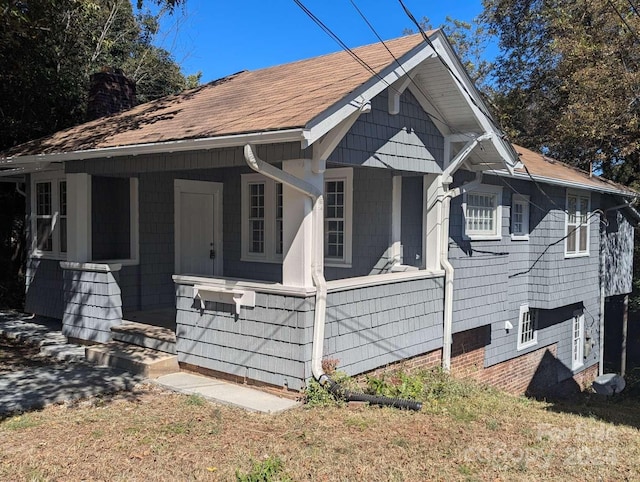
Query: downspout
[[447, 334], [320, 284]]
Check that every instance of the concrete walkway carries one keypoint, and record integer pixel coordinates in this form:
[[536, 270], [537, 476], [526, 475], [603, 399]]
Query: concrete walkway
[[36, 387]]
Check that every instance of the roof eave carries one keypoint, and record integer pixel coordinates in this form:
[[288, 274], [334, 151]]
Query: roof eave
[[565, 183], [236, 140]]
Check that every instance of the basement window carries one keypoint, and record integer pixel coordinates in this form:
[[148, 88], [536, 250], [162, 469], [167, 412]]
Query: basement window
[[527, 327]]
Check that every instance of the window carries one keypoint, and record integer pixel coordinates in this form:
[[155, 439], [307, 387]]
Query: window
[[527, 327], [49, 219], [337, 216], [577, 225], [262, 215], [520, 217], [483, 213], [577, 340]]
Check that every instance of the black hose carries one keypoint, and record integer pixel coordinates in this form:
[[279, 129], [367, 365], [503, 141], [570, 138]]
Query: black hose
[[346, 395]]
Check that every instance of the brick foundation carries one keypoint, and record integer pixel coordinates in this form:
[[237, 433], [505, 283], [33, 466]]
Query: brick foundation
[[535, 373]]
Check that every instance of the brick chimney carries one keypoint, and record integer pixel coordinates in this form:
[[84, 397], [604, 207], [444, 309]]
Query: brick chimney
[[110, 92]]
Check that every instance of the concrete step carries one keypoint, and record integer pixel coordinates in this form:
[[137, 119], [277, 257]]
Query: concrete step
[[134, 359], [147, 336]]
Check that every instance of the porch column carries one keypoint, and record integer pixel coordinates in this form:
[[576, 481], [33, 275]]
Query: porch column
[[432, 221], [298, 235], [396, 221], [79, 217]]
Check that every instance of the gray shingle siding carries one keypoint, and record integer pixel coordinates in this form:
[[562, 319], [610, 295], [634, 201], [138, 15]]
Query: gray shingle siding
[[92, 305], [408, 141], [494, 278], [110, 218], [371, 327], [44, 288]]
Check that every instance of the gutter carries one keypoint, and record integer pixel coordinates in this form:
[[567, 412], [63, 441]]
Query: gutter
[[447, 333], [267, 137], [317, 260]]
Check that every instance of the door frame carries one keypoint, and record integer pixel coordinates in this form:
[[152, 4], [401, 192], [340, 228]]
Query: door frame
[[199, 187]]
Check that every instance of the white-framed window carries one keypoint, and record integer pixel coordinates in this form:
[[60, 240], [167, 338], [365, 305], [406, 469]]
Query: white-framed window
[[338, 207], [520, 217], [577, 340], [577, 224], [483, 213], [527, 327], [49, 214], [262, 217]]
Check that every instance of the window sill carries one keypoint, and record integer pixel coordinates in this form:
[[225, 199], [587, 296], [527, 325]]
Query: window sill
[[519, 237], [482, 237], [249, 259], [336, 264], [576, 255], [526, 346], [122, 262], [51, 256]]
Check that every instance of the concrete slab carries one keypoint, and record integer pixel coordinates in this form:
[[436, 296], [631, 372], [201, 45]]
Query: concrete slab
[[225, 392]]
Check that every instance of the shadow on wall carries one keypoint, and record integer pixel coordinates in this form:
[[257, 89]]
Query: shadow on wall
[[544, 383]]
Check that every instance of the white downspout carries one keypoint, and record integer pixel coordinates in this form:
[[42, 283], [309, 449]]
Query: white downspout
[[317, 260], [447, 334]]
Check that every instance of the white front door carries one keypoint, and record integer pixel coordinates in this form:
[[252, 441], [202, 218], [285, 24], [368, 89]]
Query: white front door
[[198, 227]]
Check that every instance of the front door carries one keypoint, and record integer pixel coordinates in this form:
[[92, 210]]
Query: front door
[[198, 227]]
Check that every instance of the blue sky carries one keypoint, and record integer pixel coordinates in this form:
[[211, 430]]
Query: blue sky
[[220, 37]]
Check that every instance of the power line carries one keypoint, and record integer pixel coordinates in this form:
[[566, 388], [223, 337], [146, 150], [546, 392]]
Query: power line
[[631, 31], [375, 32], [453, 74], [362, 62], [633, 7]]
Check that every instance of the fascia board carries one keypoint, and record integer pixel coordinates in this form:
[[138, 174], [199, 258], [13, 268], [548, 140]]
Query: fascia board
[[471, 95], [288, 135], [331, 117], [561, 182]]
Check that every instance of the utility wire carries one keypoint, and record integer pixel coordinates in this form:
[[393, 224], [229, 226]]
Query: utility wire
[[358, 59], [375, 32], [634, 8], [624, 20]]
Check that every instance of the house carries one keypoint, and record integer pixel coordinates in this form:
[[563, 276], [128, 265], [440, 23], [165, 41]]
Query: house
[[320, 209]]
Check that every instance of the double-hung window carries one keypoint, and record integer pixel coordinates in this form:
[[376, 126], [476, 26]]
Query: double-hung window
[[577, 340], [577, 225], [483, 213], [262, 218], [49, 219], [519, 217], [527, 327]]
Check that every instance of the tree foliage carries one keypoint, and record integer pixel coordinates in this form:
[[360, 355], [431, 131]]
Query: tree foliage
[[49, 49], [568, 79]]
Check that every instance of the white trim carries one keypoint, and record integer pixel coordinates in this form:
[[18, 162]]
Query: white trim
[[577, 357], [396, 220], [477, 236], [97, 267], [268, 137], [332, 286], [54, 178], [134, 223], [559, 182], [524, 309], [577, 253], [524, 201], [199, 187]]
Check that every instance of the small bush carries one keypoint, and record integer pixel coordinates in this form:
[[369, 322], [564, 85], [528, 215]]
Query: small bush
[[270, 469]]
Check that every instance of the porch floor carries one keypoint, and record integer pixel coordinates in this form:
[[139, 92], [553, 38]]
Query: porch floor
[[163, 317]]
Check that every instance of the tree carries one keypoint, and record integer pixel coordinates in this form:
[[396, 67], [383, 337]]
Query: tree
[[568, 80], [49, 49]]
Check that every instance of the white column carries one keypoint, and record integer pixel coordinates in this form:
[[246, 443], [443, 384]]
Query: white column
[[396, 221], [79, 217], [298, 235], [432, 221]]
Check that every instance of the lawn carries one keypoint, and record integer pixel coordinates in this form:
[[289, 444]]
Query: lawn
[[464, 432]]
